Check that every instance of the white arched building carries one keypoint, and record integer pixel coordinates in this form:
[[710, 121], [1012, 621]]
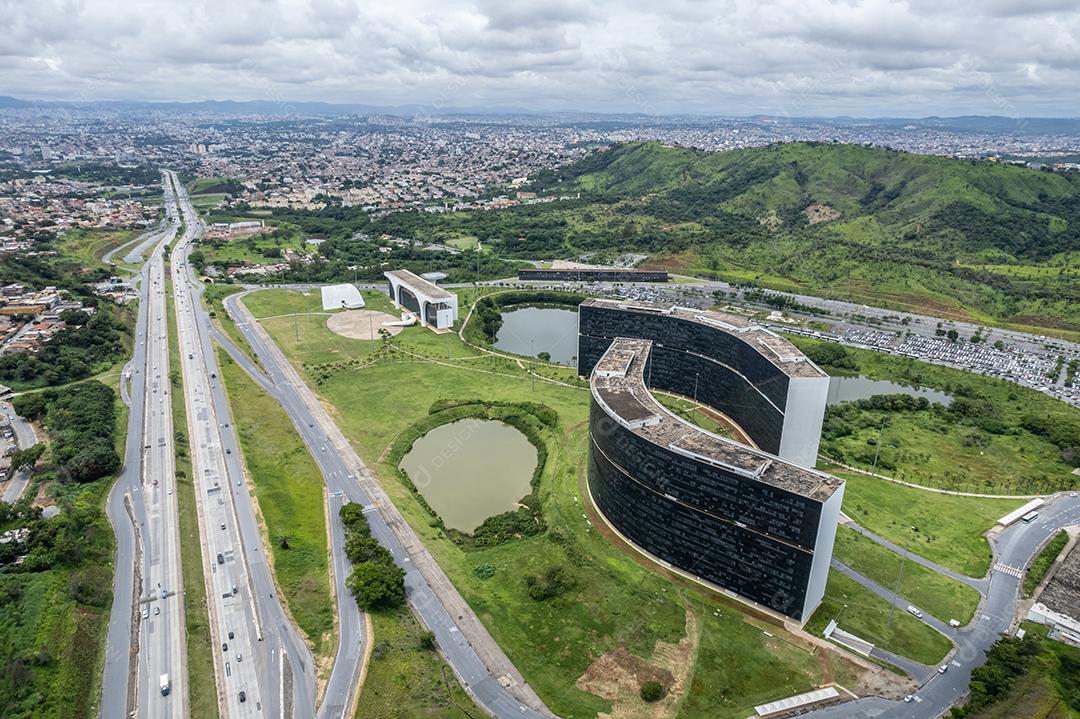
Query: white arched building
[[432, 305]]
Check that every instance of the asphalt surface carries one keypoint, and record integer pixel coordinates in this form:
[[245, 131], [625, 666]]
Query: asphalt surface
[[145, 493], [276, 669], [1014, 547], [24, 438], [348, 480]]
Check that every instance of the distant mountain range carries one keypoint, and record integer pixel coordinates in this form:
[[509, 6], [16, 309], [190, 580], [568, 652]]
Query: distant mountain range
[[992, 124]]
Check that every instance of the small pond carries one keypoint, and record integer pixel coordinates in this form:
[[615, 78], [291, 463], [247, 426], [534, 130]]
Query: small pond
[[532, 330], [845, 389], [471, 469]]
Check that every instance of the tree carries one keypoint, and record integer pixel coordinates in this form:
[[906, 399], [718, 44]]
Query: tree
[[31, 406], [427, 641], [93, 462], [652, 691], [377, 585], [953, 335], [26, 457], [544, 356]]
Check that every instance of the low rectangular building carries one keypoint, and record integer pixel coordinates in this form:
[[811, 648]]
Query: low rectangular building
[[432, 305], [593, 274]]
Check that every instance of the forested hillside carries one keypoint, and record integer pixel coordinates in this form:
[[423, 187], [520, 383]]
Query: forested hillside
[[958, 238]]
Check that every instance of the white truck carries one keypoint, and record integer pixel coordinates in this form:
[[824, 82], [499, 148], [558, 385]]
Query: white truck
[[165, 684]]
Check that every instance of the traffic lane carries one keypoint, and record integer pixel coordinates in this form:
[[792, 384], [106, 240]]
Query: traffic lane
[[462, 658]]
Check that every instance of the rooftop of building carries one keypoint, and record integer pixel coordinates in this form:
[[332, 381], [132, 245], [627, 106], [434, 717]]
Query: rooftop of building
[[428, 289], [578, 270], [1062, 594], [618, 383], [781, 353]]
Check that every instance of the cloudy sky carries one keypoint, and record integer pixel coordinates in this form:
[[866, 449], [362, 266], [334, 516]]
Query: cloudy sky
[[793, 57]]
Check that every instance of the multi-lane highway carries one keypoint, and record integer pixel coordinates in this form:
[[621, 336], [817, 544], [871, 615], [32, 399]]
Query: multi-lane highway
[[146, 636], [259, 651], [476, 659]]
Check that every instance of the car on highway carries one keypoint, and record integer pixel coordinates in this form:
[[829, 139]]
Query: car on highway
[[220, 558], [914, 611], [146, 613], [224, 646], [239, 658], [230, 634], [164, 593], [157, 611], [943, 668], [243, 697], [909, 698]]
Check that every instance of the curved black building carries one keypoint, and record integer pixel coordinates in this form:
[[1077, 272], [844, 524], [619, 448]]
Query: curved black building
[[739, 517]]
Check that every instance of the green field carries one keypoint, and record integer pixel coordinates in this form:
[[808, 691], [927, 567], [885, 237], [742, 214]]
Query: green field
[[615, 603], [866, 615], [85, 248], [981, 444], [288, 487], [935, 593], [202, 689], [944, 528], [405, 680]]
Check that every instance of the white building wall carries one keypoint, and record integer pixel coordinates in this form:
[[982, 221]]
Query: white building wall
[[803, 415], [823, 550]]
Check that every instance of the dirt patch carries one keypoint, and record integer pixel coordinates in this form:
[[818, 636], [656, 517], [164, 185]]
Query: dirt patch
[[820, 213], [618, 676], [361, 324], [772, 221]]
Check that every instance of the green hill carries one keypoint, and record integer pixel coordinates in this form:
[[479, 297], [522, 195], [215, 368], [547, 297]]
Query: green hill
[[966, 239]]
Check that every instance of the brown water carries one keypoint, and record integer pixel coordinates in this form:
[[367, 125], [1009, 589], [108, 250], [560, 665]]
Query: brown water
[[471, 469]]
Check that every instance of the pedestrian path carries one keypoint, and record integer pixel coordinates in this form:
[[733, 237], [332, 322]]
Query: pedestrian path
[[1011, 571]]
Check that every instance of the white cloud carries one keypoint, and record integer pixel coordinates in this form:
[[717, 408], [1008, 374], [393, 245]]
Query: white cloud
[[793, 57]]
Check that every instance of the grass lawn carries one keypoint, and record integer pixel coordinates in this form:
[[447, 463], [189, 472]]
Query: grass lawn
[[945, 528], [202, 690], [1042, 562], [739, 667], [616, 603], [212, 298], [935, 593], [289, 490], [270, 303], [866, 615], [86, 247], [924, 448], [406, 681]]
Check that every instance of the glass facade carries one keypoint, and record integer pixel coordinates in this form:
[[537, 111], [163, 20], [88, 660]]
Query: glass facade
[[756, 538], [732, 531], [695, 360]]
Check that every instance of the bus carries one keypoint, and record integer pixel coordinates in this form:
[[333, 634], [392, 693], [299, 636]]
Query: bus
[[1029, 516]]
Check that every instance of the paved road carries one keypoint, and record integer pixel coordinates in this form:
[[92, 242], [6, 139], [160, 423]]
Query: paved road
[[477, 660], [24, 438], [978, 583], [1014, 547], [143, 242], [277, 668], [145, 494]]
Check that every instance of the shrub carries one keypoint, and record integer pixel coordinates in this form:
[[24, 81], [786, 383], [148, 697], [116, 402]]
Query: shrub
[[652, 691], [553, 582]]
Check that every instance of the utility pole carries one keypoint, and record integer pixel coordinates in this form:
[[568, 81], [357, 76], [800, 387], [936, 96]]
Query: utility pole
[[877, 451], [896, 590]]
